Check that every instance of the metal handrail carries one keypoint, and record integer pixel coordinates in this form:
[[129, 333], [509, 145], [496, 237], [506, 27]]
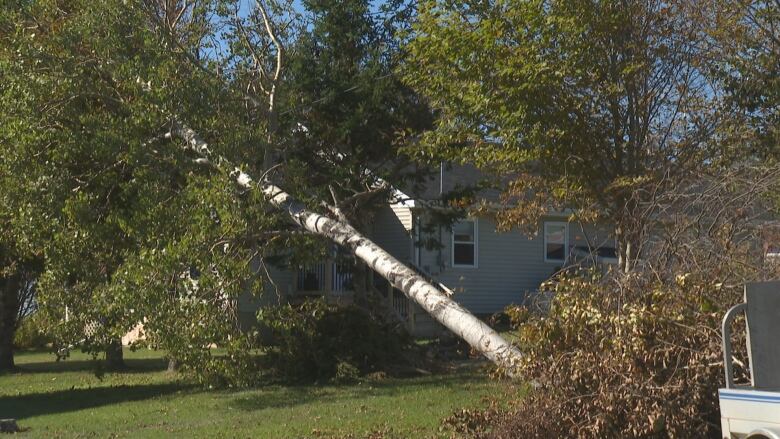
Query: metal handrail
[[726, 331]]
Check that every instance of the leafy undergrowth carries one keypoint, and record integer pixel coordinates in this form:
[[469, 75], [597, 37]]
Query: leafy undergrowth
[[66, 399]]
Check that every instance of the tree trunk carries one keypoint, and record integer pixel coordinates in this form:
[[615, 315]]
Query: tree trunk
[[6, 353], [114, 356], [439, 305], [9, 312], [627, 247], [173, 365]]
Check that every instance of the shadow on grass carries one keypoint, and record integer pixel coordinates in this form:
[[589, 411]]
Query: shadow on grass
[[290, 396], [38, 404], [134, 365]]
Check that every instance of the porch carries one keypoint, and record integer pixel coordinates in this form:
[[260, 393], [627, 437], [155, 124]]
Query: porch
[[333, 280]]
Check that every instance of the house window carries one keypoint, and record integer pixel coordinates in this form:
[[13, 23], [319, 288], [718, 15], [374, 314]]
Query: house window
[[607, 254], [464, 244], [556, 241]]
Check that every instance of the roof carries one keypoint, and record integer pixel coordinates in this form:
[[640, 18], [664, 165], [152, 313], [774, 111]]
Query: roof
[[452, 179]]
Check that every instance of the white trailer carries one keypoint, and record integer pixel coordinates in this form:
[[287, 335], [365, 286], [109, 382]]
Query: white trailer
[[753, 411]]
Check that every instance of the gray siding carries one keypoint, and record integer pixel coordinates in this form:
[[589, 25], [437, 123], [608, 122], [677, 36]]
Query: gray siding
[[283, 278], [392, 231], [509, 265]]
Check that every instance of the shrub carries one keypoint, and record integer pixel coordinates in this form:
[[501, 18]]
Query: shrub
[[473, 422], [345, 373], [235, 364], [33, 332], [315, 341], [641, 360]]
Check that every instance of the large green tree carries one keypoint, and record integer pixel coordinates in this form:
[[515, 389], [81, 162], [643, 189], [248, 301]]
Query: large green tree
[[18, 274], [587, 105], [83, 149], [140, 226], [21, 249]]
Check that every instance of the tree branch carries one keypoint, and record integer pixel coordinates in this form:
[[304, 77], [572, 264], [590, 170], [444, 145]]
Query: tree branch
[[430, 298]]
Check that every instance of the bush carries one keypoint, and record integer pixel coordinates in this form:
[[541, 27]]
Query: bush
[[473, 422], [641, 360], [315, 341], [235, 364], [33, 332]]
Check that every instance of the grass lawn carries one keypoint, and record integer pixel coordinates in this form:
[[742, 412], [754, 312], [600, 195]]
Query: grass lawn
[[65, 399]]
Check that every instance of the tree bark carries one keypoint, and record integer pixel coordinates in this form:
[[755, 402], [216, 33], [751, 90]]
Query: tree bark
[[439, 305], [9, 312], [115, 358]]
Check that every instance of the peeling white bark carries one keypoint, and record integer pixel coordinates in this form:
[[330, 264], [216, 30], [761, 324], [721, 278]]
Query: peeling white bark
[[439, 305]]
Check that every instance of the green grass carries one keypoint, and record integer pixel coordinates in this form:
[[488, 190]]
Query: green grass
[[65, 399]]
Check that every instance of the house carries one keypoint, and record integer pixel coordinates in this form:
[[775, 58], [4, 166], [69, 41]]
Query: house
[[487, 270]]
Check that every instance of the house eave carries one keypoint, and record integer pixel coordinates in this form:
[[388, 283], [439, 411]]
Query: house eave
[[423, 205]]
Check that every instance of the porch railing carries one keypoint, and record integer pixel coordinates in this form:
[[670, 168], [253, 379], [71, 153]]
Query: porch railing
[[325, 277], [401, 304], [334, 279]]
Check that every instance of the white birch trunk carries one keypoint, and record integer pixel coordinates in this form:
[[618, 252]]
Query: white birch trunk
[[439, 305]]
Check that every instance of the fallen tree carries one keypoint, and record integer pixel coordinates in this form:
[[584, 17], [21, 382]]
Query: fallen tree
[[434, 301], [108, 197]]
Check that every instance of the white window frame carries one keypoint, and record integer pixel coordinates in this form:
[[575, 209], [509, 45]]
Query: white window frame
[[476, 245], [565, 240]]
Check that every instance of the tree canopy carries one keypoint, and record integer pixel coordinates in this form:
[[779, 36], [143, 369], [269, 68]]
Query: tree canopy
[[133, 227], [580, 103], [83, 145]]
